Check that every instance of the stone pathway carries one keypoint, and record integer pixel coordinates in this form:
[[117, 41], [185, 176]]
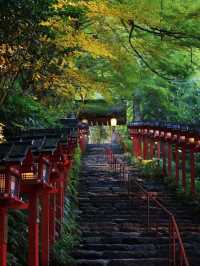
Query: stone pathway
[[114, 227]]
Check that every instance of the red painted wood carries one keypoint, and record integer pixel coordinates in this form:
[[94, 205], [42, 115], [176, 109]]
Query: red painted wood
[[33, 223], [192, 172], [139, 147], [3, 236], [147, 152], [145, 148], [177, 165], [184, 168], [169, 159], [45, 229], [164, 157], [52, 219], [152, 145], [158, 150], [59, 209]]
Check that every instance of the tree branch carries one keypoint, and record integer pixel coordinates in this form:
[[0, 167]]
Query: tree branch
[[142, 58], [160, 32]]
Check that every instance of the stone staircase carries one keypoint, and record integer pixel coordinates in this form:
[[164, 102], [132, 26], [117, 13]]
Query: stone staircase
[[114, 227]]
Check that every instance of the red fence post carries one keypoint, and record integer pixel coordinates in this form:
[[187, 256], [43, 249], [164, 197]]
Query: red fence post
[[60, 208], [45, 228], [145, 148], [177, 165], [169, 160], [151, 148], [148, 148], [158, 149], [164, 158], [184, 167], [3, 236], [33, 221], [52, 219], [140, 147], [192, 172]]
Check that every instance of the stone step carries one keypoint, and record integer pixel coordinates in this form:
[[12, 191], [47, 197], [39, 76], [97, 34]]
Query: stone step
[[113, 226], [127, 210], [121, 218], [186, 231], [142, 251], [126, 239], [117, 247], [133, 251], [99, 199], [125, 262]]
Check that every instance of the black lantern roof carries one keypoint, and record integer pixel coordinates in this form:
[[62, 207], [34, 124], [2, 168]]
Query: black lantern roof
[[38, 133], [37, 144], [181, 127], [50, 144], [4, 150], [42, 140], [41, 144], [69, 122], [14, 152]]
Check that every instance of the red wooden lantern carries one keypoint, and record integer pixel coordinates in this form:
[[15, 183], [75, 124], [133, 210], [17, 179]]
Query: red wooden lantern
[[151, 133], [9, 184], [36, 169], [11, 156], [156, 134], [42, 173], [162, 134]]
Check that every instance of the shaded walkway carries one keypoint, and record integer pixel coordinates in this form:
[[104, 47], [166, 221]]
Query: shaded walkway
[[114, 227], [112, 231]]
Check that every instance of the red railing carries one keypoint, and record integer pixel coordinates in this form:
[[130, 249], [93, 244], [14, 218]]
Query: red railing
[[177, 254]]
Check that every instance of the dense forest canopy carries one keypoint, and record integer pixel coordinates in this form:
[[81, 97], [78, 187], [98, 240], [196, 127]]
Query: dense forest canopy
[[55, 52]]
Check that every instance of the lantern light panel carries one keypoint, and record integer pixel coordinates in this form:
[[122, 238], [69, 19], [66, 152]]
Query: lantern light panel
[[113, 122]]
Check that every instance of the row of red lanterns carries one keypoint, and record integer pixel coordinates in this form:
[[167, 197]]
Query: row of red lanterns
[[36, 164], [163, 138], [188, 138]]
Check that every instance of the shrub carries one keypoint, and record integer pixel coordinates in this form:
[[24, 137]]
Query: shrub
[[149, 168], [70, 234]]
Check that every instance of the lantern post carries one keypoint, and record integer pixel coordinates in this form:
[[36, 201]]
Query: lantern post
[[169, 152], [152, 144], [3, 236], [145, 147], [31, 187], [192, 172], [193, 142], [33, 225], [163, 151], [35, 182], [183, 158], [11, 156], [157, 141]]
